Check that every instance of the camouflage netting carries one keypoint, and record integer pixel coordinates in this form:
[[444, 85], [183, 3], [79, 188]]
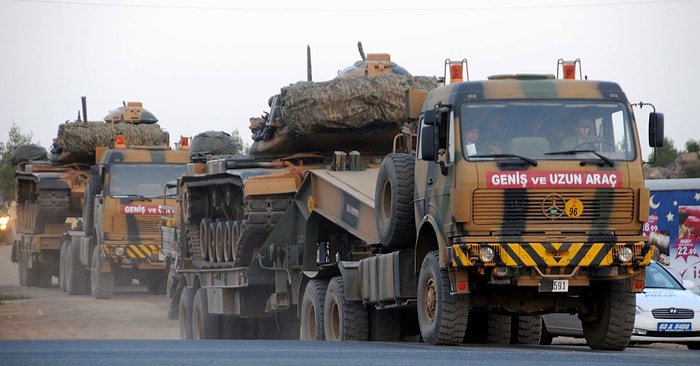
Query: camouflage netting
[[212, 143], [309, 107], [84, 138], [29, 152]]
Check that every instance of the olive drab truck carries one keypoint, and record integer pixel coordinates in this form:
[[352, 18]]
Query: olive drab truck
[[465, 226], [119, 240]]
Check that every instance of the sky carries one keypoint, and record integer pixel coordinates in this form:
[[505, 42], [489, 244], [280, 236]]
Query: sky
[[202, 65]]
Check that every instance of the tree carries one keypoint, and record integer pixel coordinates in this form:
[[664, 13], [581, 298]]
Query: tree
[[692, 146], [665, 155], [242, 146], [7, 170]]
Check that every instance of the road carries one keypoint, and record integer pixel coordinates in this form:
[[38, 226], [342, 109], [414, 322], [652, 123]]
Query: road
[[49, 313]]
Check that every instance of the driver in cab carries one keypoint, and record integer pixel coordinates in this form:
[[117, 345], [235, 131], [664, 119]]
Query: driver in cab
[[582, 135]]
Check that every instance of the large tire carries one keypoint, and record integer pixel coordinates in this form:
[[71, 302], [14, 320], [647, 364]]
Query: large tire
[[102, 282], [442, 317], [499, 329], [186, 303], [393, 195], [343, 320], [77, 280], [527, 329], [62, 268], [312, 309], [204, 324], [612, 328]]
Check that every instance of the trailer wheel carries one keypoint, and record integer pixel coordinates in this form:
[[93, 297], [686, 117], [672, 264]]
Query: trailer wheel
[[62, 268], [204, 238], [344, 320], [102, 282], [204, 324], [612, 327], [186, 303], [526, 329], [442, 317], [76, 276], [311, 322], [394, 201]]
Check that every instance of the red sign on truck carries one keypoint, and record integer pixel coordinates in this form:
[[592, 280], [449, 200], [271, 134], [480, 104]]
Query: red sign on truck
[[553, 179], [140, 209]]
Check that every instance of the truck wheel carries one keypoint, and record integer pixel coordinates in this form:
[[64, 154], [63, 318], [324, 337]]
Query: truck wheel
[[204, 324], [499, 329], [77, 275], [204, 238], [394, 202], [612, 328], [442, 317], [62, 265], [311, 322], [529, 329], [344, 320], [186, 302], [102, 282]]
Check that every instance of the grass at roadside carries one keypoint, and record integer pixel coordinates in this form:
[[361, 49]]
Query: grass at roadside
[[7, 297]]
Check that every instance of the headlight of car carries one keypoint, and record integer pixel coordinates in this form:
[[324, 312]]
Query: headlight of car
[[4, 220]]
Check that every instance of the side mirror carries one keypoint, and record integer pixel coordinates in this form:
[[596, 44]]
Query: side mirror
[[428, 143], [431, 117], [656, 129]]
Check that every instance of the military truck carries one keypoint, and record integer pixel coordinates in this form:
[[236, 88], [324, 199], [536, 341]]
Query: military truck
[[418, 231], [119, 240]]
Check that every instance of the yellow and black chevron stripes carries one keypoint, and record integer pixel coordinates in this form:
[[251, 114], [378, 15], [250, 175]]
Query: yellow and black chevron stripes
[[132, 251], [548, 254]]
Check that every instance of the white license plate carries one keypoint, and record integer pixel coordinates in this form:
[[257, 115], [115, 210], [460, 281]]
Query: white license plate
[[674, 327], [560, 286], [547, 285]]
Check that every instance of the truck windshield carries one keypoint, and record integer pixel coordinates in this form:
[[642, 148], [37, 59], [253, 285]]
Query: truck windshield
[[147, 180], [547, 130]]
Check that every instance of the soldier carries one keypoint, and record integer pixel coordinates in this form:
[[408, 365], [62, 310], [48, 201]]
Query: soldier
[[581, 135]]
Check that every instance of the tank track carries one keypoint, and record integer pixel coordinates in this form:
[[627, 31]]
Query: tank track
[[260, 214], [50, 207]]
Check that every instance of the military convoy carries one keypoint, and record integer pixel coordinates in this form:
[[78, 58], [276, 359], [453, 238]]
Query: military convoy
[[86, 214], [405, 226]]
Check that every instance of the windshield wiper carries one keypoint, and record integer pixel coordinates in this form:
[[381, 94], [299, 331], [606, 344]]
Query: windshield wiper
[[602, 157], [530, 161]]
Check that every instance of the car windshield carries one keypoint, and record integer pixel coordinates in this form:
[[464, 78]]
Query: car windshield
[[659, 277], [147, 180], [572, 129]]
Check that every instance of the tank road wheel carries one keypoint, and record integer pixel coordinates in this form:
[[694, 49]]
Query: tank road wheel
[[528, 331], [442, 317], [204, 324], [102, 282], [394, 201], [226, 243], [612, 328], [344, 320], [311, 322], [76, 276], [185, 316], [219, 240], [62, 268], [499, 329], [204, 238], [211, 242], [235, 237]]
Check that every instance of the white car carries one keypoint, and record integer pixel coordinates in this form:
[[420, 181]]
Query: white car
[[667, 311]]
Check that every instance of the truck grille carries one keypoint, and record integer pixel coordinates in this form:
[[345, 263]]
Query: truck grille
[[503, 207], [135, 226]]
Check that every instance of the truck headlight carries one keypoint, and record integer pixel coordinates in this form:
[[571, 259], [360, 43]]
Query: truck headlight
[[486, 254], [119, 251], [625, 254], [3, 222]]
